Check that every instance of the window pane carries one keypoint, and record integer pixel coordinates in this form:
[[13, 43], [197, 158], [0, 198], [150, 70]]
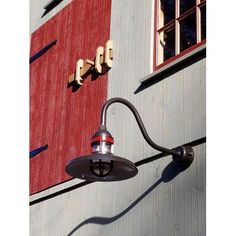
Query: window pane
[[203, 22], [167, 10], [188, 32], [168, 44], [186, 5]]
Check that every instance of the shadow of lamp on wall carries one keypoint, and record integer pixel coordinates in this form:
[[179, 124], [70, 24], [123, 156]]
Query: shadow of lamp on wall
[[169, 173], [102, 165]]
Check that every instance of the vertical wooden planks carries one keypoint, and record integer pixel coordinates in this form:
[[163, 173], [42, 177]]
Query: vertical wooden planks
[[63, 119]]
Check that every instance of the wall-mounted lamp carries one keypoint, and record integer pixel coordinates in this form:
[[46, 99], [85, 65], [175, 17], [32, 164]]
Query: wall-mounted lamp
[[102, 165]]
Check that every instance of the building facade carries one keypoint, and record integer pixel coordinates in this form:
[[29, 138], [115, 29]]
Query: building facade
[[159, 50]]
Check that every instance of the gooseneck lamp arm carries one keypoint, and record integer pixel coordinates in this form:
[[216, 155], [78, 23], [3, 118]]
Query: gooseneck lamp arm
[[139, 121], [103, 165]]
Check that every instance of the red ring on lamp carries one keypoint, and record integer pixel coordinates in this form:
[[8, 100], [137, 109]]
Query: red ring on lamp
[[102, 138]]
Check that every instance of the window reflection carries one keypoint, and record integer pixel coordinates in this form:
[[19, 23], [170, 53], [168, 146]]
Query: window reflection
[[186, 5], [168, 43], [203, 22], [188, 32], [168, 10]]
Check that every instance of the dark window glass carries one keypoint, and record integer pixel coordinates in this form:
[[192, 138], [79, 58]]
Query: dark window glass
[[169, 43], [186, 5], [203, 22], [188, 32], [168, 8], [187, 21]]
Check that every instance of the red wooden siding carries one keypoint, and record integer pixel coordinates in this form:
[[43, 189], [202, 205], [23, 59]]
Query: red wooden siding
[[63, 119]]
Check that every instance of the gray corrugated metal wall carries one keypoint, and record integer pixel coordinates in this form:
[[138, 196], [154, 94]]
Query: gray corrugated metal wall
[[159, 200]]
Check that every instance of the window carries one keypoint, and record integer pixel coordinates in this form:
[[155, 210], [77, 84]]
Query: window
[[180, 25]]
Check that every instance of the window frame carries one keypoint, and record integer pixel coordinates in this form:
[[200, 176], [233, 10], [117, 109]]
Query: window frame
[[176, 24]]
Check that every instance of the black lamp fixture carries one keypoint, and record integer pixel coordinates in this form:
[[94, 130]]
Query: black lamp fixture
[[103, 165]]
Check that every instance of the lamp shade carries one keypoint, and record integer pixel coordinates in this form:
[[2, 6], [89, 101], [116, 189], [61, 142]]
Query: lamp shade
[[101, 165]]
